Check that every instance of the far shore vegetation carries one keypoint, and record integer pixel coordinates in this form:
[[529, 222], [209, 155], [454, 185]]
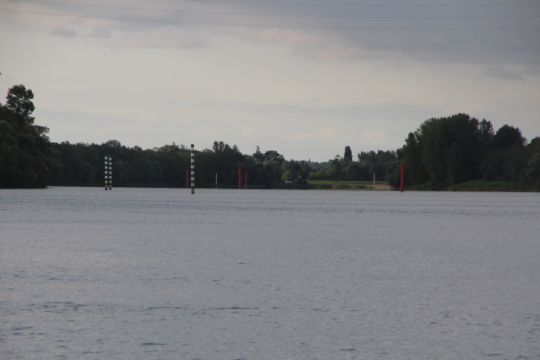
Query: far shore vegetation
[[456, 153]]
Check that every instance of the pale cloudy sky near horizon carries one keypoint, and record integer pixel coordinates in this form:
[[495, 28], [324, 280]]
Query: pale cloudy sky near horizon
[[304, 77]]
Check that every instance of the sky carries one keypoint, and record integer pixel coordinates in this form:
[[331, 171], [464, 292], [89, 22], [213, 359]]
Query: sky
[[304, 77]]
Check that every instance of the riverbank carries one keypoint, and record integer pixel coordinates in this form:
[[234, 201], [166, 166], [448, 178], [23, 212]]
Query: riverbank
[[477, 185], [348, 185], [470, 186]]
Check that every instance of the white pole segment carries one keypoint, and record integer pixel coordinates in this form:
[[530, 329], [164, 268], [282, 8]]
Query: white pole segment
[[192, 169]]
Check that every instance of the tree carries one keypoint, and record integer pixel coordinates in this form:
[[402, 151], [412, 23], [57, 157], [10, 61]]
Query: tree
[[272, 155], [19, 100], [446, 150], [347, 156], [372, 162], [336, 168], [508, 136], [533, 171], [411, 155], [258, 155], [486, 132], [296, 172], [26, 156]]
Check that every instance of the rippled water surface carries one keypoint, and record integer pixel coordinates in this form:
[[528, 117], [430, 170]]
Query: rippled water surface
[[226, 274]]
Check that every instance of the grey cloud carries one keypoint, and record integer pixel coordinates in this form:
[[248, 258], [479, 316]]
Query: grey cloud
[[453, 31], [479, 47], [504, 74], [100, 33], [349, 111], [64, 32], [134, 24]]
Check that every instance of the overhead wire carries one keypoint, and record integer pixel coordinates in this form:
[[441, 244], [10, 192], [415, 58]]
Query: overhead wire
[[261, 14], [365, 4], [271, 26]]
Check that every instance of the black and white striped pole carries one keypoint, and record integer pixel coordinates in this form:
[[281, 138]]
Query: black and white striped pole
[[192, 169], [108, 172]]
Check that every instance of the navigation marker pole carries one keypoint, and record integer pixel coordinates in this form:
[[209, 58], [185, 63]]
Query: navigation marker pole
[[401, 177], [192, 170], [108, 172], [239, 177]]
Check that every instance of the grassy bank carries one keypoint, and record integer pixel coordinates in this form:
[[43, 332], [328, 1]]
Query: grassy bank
[[481, 185], [346, 185], [473, 185]]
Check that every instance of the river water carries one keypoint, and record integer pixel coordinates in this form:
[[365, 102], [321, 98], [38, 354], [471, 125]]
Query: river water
[[252, 274]]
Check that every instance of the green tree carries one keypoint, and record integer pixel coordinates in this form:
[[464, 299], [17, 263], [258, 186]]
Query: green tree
[[446, 150], [347, 156], [411, 155], [336, 168], [296, 172], [508, 136], [19, 100], [26, 155]]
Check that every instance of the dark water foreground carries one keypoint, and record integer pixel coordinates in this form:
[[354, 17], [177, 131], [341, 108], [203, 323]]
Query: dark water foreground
[[160, 274]]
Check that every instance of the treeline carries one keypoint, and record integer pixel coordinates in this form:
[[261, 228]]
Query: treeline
[[441, 153], [456, 149], [166, 166], [382, 164]]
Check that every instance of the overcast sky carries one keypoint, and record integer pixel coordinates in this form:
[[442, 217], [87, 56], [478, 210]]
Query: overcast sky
[[304, 77]]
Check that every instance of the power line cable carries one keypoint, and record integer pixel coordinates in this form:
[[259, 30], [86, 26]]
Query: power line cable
[[338, 4], [288, 15], [270, 26], [365, 4]]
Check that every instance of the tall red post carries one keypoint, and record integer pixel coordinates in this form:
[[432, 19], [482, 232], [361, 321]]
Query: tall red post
[[401, 177], [239, 177], [245, 179], [187, 177]]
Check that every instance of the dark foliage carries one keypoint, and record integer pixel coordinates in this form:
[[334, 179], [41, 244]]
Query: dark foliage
[[381, 163], [441, 153], [82, 164], [459, 148], [26, 155], [347, 155]]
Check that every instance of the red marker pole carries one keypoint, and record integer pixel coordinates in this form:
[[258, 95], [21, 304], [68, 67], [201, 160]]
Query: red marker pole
[[239, 177], [245, 179], [401, 177]]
